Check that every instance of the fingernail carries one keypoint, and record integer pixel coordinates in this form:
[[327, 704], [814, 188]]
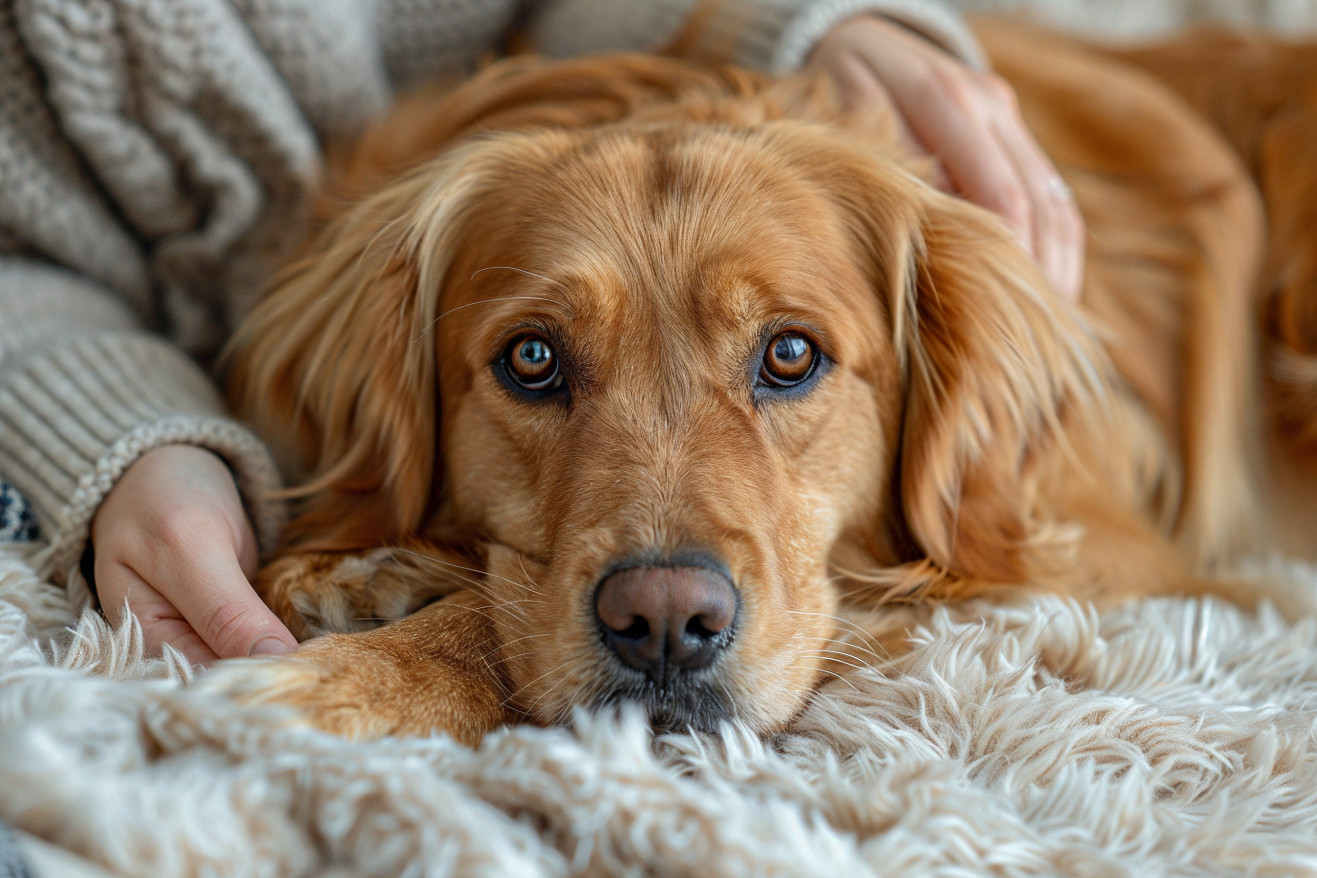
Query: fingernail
[[269, 646]]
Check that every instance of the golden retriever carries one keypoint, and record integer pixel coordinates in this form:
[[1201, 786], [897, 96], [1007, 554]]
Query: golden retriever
[[657, 373]]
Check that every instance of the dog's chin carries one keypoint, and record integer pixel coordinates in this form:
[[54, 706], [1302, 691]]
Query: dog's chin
[[683, 707]]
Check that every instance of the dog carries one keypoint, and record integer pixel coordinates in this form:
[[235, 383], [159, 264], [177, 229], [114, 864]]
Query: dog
[[635, 379]]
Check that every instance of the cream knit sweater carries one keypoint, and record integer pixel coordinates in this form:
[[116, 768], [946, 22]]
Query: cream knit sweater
[[156, 156]]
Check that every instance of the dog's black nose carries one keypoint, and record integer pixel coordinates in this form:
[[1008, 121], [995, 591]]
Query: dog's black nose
[[667, 620]]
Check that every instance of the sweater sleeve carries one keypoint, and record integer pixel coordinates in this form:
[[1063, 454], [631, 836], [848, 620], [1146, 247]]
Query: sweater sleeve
[[771, 35], [84, 392], [152, 158]]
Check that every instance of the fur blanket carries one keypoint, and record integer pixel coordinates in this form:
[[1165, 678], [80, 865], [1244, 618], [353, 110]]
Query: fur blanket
[[1175, 737]]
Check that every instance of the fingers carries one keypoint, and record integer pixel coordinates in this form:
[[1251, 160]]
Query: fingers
[[1057, 241], [861, 90], [972, 123], [122, 591], [206, 584], [1010, 175], [859, 87], [204, 606], [994, 161], [172, 539], [952, 123]]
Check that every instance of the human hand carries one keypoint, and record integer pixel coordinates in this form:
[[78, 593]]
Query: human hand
[[173, 540], [970, 121]]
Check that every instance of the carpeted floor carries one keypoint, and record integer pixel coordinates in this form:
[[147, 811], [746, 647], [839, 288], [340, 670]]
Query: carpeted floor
[[1171, 738]]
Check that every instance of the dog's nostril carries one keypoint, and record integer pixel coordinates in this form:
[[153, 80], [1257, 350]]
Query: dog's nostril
[[637, 630], [665, 620], [705, 628]]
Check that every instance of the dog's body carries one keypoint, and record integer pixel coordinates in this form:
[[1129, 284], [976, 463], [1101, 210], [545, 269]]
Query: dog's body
[[660, 374]]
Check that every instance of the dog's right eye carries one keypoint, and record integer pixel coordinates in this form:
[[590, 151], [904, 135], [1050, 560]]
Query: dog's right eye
[[789, 361], [532, 364]]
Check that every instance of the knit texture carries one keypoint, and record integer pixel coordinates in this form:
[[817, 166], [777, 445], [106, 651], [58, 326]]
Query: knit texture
[[156, 158]]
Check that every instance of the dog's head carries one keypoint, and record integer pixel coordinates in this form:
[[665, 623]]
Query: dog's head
[[660, 351]]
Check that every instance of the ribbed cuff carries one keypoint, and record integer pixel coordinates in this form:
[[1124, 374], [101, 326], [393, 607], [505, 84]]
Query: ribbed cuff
[[77, 413], [775, 36], [933, 20]]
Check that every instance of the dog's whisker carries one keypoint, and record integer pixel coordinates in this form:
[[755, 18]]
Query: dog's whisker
[[446, 566], [485, 573], [866, 640], [536, 636], [521, 562], [522, 602], [495, 654], [564, 711], [730, 701], [832, 658], [818, 653], [524, 686], [859, 630], [542, 277], [530, 708], [517, 613], [837, 676], [851, 648], [503, 646], [450, 565], [824, 671], [484, 612], [519, 601]]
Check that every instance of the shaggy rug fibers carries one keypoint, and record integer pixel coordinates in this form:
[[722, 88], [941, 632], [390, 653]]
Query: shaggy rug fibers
[[1174, 737]]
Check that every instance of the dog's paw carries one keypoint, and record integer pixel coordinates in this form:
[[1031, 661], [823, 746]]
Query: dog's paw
[[320, 693], [425, 674], [322, 593]]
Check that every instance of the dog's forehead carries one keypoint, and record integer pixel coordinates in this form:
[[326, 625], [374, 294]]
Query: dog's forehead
[[697, 223]]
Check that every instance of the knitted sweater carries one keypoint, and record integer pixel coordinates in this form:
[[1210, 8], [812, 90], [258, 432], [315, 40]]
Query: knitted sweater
[[156, 157]]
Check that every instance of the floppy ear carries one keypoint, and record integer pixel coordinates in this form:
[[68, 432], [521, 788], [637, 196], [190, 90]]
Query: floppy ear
[[339, 357], [994, 362]]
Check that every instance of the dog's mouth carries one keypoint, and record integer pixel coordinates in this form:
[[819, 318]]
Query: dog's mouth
[[686, 705]]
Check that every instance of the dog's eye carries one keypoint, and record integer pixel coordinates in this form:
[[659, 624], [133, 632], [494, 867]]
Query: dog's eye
[[789, 360], [532, 363]]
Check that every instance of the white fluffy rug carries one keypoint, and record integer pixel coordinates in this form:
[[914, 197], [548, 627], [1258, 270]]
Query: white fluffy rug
[[1171, 738]]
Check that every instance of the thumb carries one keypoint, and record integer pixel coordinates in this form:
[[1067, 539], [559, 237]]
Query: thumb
[[225, 611]]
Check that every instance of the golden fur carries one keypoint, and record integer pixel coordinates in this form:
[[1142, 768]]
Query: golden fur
[[971, 434]]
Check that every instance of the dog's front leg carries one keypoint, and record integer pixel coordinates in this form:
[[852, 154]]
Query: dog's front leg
[[434, 671]]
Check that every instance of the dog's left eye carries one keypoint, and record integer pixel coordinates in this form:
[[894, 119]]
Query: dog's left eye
[[532, 363], [789, 359]]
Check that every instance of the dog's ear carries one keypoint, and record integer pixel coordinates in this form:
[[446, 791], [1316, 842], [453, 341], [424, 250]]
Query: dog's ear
[[339, 357], [994, 367]]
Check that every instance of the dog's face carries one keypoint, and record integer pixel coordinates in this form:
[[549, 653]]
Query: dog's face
[[656, 369], [659, 375]]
